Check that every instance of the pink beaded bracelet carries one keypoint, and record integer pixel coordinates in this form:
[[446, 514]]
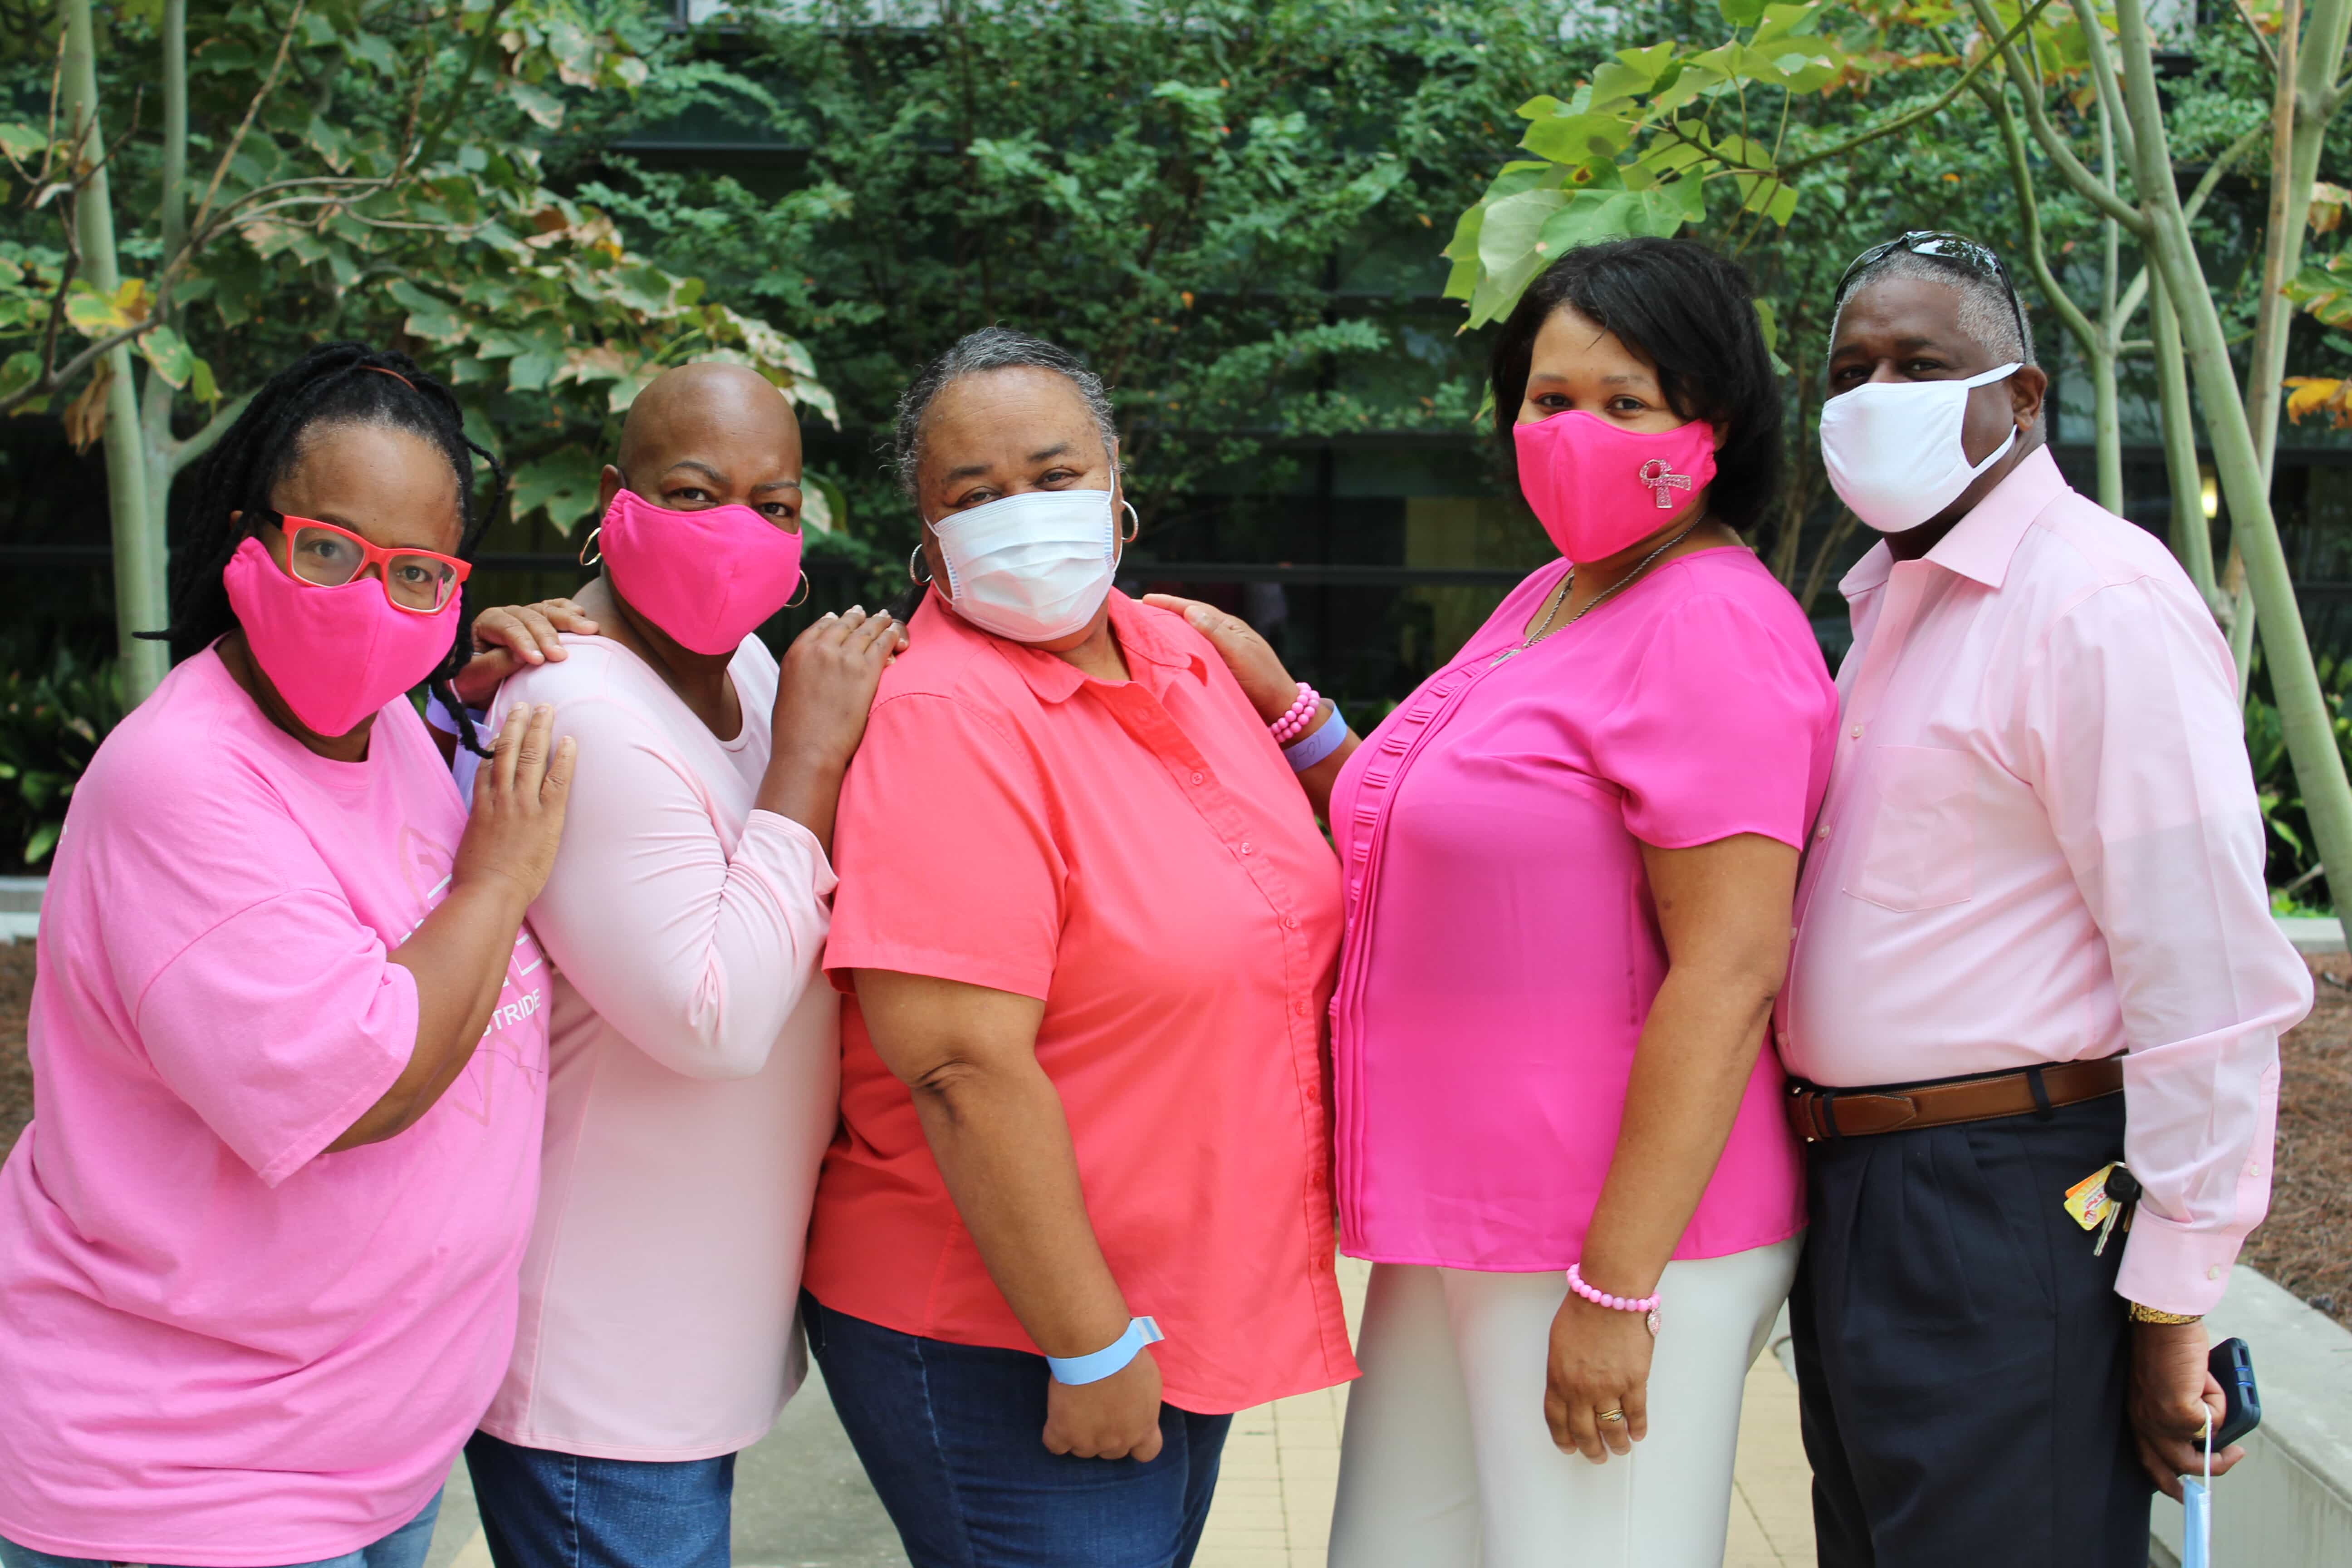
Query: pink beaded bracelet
[[1295, 719], [1647, 1305]]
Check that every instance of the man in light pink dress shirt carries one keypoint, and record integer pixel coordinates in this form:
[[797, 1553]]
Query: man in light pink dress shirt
[[2033, 940]]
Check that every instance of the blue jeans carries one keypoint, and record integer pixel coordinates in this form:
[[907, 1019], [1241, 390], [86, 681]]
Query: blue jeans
[[541, 1509], [952, 1437], [404, 1548]]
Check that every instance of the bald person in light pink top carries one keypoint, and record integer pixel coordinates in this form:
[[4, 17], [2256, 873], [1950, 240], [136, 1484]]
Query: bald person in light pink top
[[694, 1058]]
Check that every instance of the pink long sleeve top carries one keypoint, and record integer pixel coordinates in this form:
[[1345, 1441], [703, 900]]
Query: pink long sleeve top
[[2042, 844], [693, 1076]]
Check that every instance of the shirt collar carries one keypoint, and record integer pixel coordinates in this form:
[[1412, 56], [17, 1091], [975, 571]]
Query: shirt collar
[[1981, 545], [1155, 656]]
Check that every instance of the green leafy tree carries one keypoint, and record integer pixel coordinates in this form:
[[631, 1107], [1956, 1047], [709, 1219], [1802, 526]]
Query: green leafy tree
[[1647, 144], [372, 167], [1225, 206]]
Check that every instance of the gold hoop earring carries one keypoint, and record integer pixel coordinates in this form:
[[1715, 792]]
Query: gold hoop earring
[[1130, 536], [912, 557], [797, 600], [588, 545]]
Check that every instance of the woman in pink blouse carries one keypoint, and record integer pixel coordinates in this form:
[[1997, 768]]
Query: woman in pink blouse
[[1568, 864]]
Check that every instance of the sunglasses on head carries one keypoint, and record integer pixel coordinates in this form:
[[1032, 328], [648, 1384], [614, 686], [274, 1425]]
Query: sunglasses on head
[[1952, 249]]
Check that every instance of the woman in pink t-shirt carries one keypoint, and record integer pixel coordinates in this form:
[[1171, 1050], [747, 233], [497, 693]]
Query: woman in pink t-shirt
[[258, 1246], [1568, 864]]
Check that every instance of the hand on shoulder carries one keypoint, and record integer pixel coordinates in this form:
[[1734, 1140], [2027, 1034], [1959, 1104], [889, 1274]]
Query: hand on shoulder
[[1256, 666]]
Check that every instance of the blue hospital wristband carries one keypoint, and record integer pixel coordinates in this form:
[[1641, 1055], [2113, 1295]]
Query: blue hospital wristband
[[1308, 749], [1112, 1358]]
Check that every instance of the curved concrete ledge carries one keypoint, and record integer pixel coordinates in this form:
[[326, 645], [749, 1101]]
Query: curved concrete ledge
[[2289, 1505], [2313, 933], [20, 907]]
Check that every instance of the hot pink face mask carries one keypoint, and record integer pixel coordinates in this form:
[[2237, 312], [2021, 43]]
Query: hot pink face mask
[[707, 578], [337, 654], [1598, 488]]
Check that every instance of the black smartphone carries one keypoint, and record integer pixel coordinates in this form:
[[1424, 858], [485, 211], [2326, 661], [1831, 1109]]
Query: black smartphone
[[2233, 1365]]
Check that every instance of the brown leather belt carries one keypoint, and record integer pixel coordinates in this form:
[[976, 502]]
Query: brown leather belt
[[1817, 1114]]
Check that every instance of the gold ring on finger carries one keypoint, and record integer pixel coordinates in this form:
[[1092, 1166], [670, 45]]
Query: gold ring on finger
[[1611, 1415]]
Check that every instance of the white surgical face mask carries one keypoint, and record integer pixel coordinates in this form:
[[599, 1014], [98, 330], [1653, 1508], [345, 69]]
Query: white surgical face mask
[[1034, 567], [1893, 447]]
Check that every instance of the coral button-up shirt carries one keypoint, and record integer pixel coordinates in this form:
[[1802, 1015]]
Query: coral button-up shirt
[[2042, 844], [1135, 854]]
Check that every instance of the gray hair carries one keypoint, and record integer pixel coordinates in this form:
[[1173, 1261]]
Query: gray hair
[[992, 348], [1986, 314]]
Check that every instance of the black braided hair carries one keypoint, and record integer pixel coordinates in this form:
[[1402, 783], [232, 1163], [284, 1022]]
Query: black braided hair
[[339, 384]]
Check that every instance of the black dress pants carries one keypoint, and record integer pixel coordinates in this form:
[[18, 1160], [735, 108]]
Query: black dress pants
[[1961, 1357]]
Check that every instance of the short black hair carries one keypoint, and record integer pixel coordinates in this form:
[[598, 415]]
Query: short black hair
[[1691, 313], [339, 384]]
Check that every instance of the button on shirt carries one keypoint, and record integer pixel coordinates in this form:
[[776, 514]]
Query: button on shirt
[[1136, 856], [2042, 844]]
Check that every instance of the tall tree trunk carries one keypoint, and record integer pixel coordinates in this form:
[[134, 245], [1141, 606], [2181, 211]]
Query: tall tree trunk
[[156, 397], [2308, 58], [2193, 532], [2303, 708], [139, 597], [2108, 406]]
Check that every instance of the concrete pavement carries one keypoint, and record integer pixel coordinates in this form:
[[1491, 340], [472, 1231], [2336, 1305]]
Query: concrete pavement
[[801, 1502]]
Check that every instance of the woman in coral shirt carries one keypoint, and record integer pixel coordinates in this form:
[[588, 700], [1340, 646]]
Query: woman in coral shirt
[[1570, 860], [1088, 926]]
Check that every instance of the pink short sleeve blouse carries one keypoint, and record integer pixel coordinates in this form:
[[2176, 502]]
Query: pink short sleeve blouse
[[1502, 950]]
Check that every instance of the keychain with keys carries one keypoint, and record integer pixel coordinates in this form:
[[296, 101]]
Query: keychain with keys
[[2102, 1200]]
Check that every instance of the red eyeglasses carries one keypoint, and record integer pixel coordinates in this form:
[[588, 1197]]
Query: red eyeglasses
[[417, 581]]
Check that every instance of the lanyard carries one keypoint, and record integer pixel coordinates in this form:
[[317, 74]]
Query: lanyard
[[2197, 1502]]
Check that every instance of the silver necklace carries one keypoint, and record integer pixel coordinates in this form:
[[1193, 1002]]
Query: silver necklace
[[1544, 627]]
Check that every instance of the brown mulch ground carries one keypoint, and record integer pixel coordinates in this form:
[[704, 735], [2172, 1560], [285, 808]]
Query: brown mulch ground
[[2305, 1245]]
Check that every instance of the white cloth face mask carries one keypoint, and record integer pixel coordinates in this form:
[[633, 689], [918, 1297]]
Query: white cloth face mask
[[1034, 567], [1893, 447]]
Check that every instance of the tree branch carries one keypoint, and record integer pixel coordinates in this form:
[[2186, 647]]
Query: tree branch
[[183, 453], [2028, 88], [252, 111], [2021, 176], [2137, 294], [2270, 55], [58, 376], [2104, 79], [482, 40], [1905, 121]]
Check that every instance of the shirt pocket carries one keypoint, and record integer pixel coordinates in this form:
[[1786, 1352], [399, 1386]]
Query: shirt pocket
[[1922, 849]]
